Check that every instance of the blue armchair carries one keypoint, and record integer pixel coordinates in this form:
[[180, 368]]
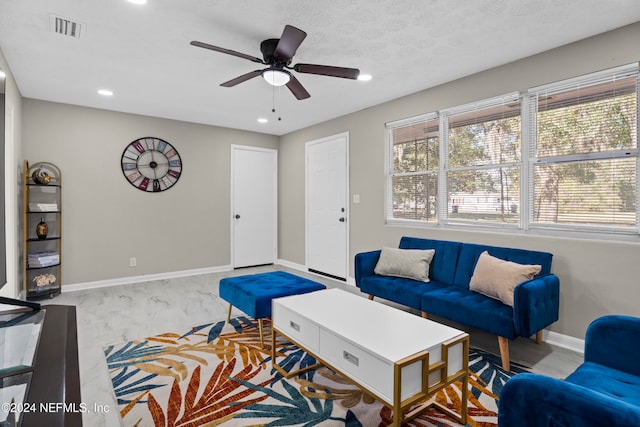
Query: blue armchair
[[603, 391]]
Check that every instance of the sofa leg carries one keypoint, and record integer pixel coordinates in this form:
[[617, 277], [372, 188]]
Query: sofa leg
[[539, 337], [371, 297], [425, 315], [504, 353]]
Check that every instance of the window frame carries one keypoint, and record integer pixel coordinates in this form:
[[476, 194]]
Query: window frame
[[478, 106], [390, 172], [586, 81], [526, 165]]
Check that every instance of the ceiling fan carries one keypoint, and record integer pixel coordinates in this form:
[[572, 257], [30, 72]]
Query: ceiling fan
[[277, 54]]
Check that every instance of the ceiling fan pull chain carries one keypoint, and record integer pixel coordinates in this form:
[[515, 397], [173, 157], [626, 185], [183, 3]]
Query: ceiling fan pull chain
[[273, 100], [279, 118]]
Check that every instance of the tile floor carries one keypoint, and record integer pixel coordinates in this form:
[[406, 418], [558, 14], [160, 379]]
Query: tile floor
[[112, 315]]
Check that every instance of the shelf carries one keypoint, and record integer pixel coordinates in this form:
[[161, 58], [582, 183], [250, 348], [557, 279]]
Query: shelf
[[43, 268], [44, 212], [33, 184], [45, 293], [42, 203]]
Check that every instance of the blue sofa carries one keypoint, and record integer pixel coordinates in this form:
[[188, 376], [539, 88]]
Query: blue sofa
[[603, 392], [447, 294]]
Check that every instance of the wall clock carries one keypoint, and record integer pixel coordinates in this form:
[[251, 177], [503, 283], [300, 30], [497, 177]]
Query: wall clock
[[151, 164]]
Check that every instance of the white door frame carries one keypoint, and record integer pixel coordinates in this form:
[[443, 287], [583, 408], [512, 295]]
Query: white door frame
[[234, 148], [344, 135]]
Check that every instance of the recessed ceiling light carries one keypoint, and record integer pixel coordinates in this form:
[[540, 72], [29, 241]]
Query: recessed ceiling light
[[138, 1], [263, 120], [105, 92], [364, 77]]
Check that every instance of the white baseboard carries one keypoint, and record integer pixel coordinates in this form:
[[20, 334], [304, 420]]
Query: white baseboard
[[295, 266], [564, 341], [554, 338], [143, 278], [174, 274], [292, 265]]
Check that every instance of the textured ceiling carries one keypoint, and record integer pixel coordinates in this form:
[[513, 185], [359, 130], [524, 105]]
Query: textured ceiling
[[142, 53]]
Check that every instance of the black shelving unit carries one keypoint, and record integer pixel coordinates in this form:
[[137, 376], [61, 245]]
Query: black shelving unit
[[43, 251]]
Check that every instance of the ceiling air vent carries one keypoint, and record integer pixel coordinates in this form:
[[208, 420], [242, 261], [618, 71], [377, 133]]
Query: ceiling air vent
[[66, 26]]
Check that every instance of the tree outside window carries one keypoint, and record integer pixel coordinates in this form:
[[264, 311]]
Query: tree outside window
[[586, 156], [483, 177], [578, 170]]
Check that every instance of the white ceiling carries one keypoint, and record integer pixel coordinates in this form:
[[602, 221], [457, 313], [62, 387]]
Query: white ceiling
[[142, 53]]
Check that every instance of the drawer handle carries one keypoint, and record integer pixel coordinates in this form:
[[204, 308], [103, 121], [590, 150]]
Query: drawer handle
[[350, 358], [294, 325]]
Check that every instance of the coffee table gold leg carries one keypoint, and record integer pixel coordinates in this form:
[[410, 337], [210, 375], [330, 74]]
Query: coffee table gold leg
[[463, 403], [277, 367], [397, 416]]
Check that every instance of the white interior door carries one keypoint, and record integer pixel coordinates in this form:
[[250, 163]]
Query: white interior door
[[254, 173], [326, 212]]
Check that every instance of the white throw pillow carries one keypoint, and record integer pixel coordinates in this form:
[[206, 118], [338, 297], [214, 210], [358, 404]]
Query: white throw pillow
[[407, 263], [497, 278]]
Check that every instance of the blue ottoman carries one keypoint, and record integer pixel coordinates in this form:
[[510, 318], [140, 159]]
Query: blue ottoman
[[253, 293]]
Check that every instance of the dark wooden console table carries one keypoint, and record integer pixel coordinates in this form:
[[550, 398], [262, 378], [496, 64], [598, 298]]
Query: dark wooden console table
[[55, 375]]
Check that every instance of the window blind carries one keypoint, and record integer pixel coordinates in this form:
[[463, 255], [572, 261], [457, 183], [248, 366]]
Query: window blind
[[584, 153], [482, 167], [412, 169]]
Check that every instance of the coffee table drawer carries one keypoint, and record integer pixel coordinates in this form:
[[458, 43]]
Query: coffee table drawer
[[298, 328], [363, 367]]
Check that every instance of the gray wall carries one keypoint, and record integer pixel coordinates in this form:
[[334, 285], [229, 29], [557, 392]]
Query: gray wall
[[13, 165], [597, 277], [105, 220]]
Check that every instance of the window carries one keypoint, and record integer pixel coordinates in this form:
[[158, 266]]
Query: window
[[584, 153], [572, 164], [483, 162], [412, 178]]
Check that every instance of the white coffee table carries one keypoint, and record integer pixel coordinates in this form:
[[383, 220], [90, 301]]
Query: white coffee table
[[400, 358]]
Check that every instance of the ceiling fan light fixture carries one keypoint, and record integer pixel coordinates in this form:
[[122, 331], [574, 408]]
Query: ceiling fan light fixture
[[276, 77]]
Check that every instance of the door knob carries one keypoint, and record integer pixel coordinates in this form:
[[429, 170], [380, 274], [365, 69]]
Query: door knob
[[237, 216]]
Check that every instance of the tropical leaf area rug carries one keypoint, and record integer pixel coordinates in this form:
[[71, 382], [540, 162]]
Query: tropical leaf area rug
[[218, 374]]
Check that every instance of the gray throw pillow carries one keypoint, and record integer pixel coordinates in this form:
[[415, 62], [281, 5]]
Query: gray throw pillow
[[407, 263]]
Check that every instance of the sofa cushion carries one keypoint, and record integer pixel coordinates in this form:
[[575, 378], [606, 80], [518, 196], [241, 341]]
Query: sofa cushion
[[397, 289], [497, 278], [470, 308], [443, 264], [612, 382], [469, 254], [408, 263]]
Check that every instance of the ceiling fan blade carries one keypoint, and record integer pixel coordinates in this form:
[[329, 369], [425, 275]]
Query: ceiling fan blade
[[297, 89], [289, 42], [227, 51], [327, 70], [242, 78]]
